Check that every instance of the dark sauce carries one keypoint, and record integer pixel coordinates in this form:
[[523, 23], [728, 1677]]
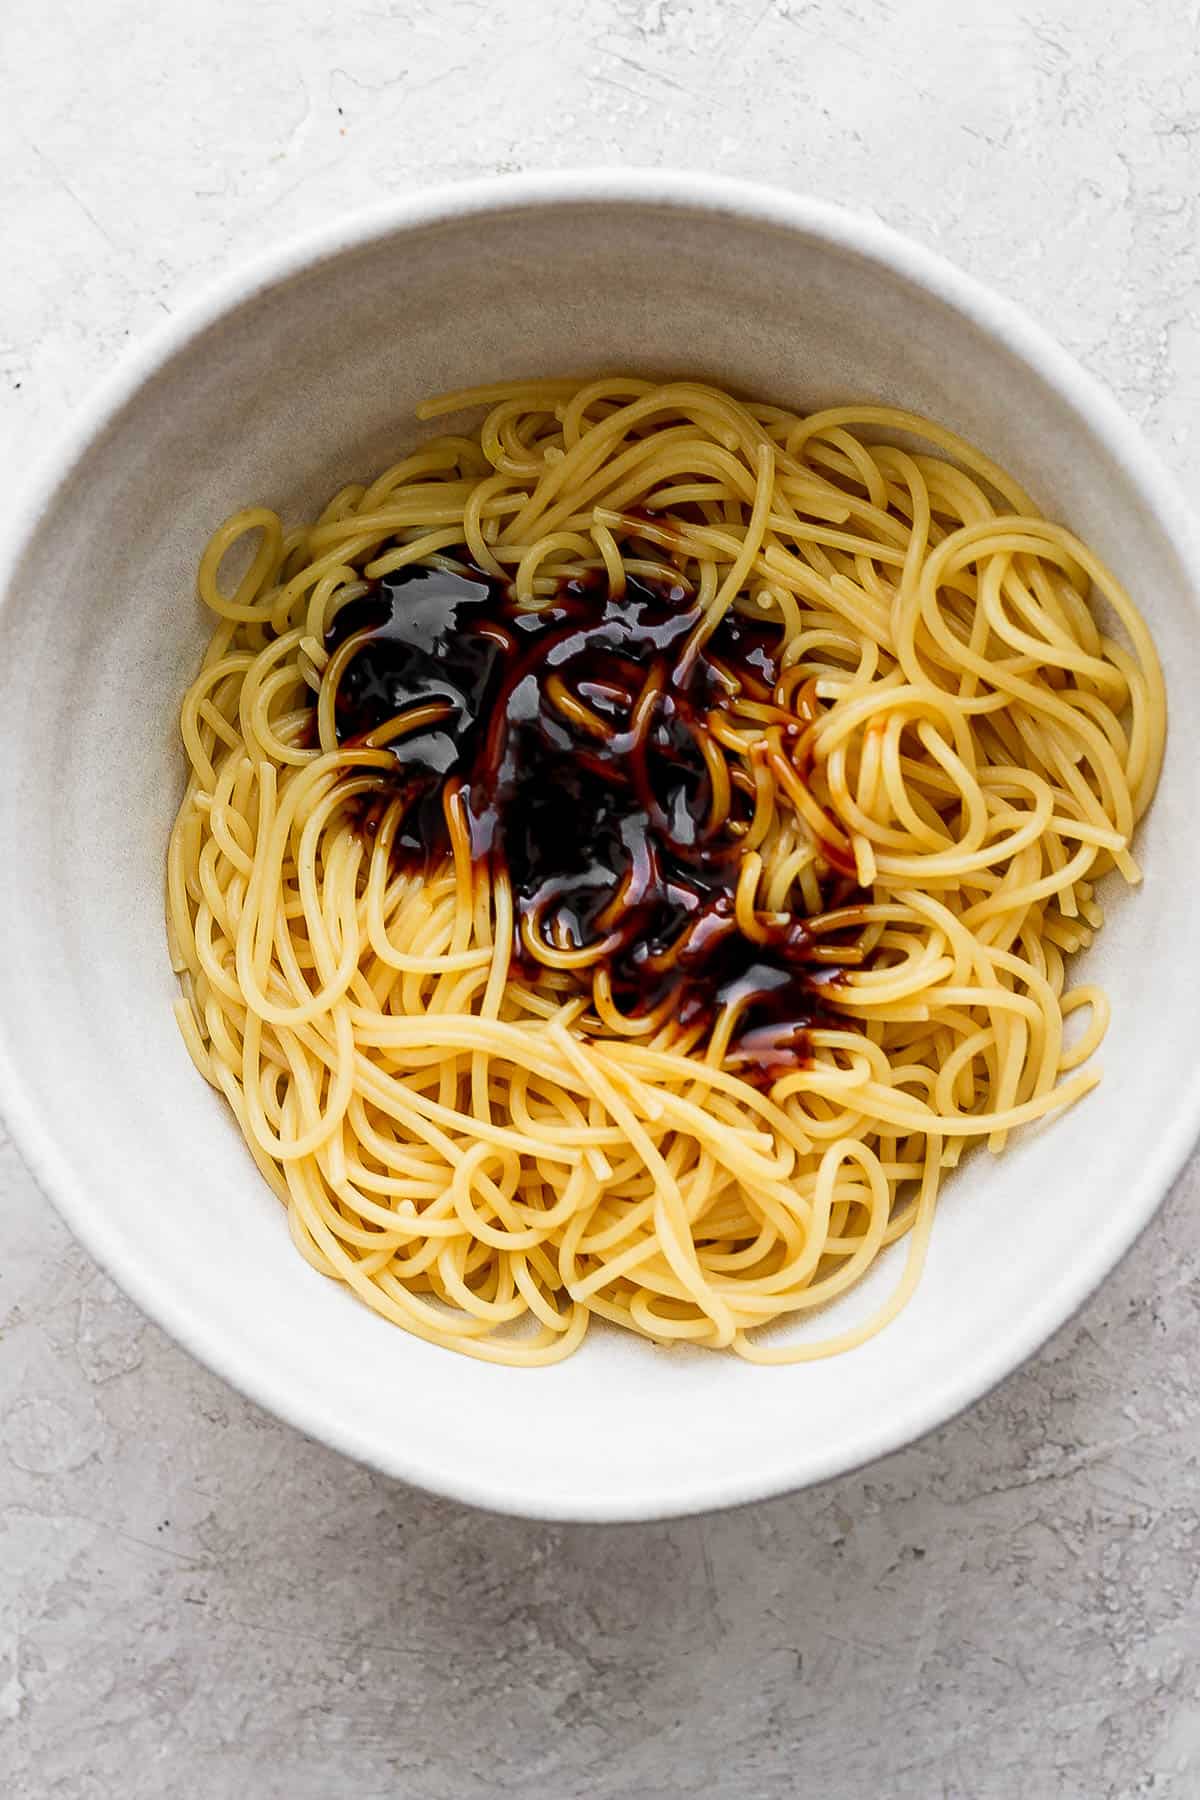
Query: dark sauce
[[576, 735]]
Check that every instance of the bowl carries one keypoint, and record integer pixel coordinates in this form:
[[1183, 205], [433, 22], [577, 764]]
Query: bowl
[[302, 372]]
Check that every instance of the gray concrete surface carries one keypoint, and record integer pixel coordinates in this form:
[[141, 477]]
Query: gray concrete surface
[[196, 1602]]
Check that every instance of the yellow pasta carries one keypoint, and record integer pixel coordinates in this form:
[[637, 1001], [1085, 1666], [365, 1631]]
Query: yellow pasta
[[474, 1116]]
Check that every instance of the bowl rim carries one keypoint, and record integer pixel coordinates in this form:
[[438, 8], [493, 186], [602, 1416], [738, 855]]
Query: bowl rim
[[695, 192]]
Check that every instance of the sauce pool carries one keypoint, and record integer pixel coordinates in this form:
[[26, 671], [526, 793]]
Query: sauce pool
[[577, 736]]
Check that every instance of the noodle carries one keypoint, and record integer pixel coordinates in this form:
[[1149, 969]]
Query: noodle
[[930, 752]]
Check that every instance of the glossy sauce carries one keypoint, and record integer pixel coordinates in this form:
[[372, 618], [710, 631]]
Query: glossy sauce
[[576, 734]]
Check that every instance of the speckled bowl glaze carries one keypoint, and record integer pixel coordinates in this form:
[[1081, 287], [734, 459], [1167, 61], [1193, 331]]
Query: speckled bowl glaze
[[300, 373]]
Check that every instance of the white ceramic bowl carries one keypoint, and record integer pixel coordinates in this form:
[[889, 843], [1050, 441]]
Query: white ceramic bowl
[[301, 373]]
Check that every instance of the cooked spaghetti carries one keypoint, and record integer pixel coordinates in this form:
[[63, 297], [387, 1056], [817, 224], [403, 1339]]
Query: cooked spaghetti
[[633, 845]]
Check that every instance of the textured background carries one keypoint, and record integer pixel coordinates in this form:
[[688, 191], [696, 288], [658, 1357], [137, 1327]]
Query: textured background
[[195, 1601]]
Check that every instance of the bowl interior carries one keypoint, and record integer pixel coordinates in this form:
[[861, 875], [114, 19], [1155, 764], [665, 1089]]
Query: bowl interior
[[310, 380]]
